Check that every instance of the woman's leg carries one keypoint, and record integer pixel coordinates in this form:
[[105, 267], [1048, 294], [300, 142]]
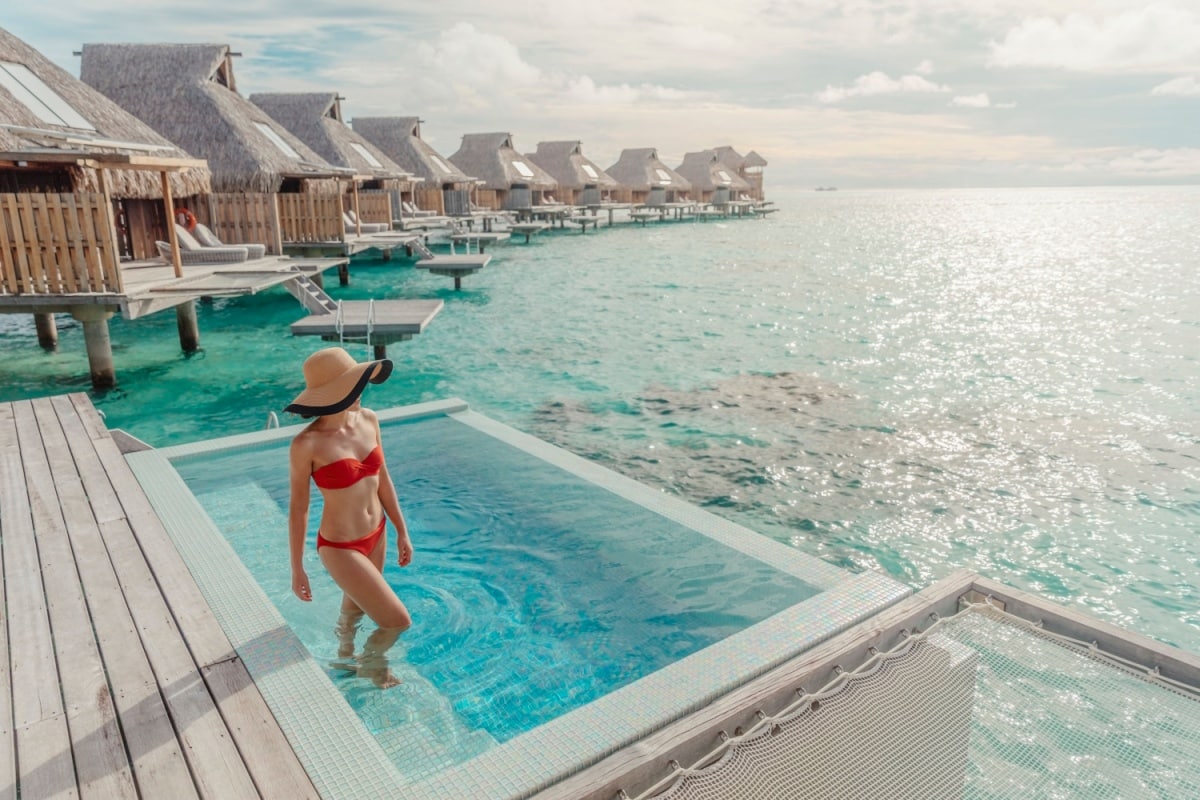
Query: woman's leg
[[364, 586]]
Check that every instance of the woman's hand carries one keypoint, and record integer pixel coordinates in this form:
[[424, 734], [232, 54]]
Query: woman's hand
[[300, 586], [405, 548]]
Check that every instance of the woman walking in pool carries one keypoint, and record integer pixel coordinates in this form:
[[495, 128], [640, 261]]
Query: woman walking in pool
[[341, 452]]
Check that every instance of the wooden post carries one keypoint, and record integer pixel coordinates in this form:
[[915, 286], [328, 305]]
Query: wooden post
[[344, 274], [357, 217], [380, 351], [169, 207], [99, 346], [189, 327], [47, 330]]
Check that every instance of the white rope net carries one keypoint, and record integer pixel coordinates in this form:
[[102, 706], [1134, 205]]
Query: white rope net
[[982, 706]]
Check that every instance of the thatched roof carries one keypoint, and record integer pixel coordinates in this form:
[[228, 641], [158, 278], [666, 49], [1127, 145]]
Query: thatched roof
[[492, 158], [316, 120], [187, 93], [400, 139], [112, 134], [639, 169], [567, 164], [753, 159], [730, 157], [706, 172]]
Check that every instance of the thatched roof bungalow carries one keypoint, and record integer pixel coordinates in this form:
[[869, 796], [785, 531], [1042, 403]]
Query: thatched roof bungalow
[[579, 179], [506, 178], [60, 136], [187, 92], [645, 179], [749, 168], [52, 121], [445, 188], [712, 180], [316, 119]]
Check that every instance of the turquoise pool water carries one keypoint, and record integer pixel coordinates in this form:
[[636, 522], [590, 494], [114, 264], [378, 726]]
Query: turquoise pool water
[[908, 381], [533, 592]]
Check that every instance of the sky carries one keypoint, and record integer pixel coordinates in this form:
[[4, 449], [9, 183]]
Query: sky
[[860, 93]]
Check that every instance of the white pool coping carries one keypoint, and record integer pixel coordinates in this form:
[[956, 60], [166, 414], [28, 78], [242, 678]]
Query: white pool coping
[[345, 761]]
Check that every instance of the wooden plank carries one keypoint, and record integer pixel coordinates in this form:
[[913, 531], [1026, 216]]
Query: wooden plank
[[8, 755], [268, 754], [26, 278], [33, 249], [43, 742], [82, 257], [144, 565], [87, 222], [63, 257], [157, 762], [8, 256], [102, 768]]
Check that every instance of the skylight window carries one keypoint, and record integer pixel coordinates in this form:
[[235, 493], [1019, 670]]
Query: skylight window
[[366, 154], [440, 164], [44, 102], [276, 139], [724, 176], [663, 177], [591, 173], [523, 168]]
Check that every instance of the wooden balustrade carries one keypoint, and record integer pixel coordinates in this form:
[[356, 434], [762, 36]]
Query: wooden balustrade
[[57, 244], [242, 218], [311, 218]]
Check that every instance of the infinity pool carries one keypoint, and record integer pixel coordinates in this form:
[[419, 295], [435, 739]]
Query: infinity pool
[[547, 594]]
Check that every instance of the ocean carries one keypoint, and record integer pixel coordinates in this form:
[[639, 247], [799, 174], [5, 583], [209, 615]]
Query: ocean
[[905, 381]]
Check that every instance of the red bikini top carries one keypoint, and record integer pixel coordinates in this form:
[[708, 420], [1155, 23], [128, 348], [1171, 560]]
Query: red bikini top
[[348, 471]]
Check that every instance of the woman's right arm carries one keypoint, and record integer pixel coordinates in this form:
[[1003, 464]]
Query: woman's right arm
[[299, 470]]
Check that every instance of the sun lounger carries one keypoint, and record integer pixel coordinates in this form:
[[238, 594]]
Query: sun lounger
[[209, 239], [353, 227], [411, 210], [192, 253]]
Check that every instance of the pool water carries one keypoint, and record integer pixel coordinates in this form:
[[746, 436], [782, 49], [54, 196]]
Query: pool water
[[533, 591]]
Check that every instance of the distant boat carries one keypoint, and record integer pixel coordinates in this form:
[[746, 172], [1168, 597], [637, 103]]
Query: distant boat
[[826, 188]]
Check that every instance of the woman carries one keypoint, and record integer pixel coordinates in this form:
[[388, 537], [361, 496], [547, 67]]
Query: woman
[[341, 452]]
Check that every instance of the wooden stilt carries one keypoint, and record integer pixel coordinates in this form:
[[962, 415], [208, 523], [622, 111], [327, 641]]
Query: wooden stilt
[[344, 274], [380, 351]]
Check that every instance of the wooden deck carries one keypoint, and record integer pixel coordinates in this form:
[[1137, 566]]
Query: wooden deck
[[116, 680]]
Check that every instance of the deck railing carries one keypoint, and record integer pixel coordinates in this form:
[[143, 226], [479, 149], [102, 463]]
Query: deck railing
[[373, 206], [311, 218], [242, 218], [57, 244]]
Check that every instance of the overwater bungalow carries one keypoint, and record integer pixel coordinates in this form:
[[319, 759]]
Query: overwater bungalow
[[712, 180], [445, 189], [748, 167], [645, 180], [268, 185], [83, 185], [316, 119], [580, 180], [506, 179]]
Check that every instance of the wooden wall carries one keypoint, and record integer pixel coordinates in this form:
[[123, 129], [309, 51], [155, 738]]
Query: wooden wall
[[57, 244]]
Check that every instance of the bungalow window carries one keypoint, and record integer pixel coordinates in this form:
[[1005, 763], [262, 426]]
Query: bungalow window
[[440, 164], [724, 176], [366, 154], [44, 102], [591, 173], [523, 168], [277, 140], [663, 177]]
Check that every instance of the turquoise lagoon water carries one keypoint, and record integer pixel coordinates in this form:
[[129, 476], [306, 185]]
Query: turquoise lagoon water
[[912, 382]]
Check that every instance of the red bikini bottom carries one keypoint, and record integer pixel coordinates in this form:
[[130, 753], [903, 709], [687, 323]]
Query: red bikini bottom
[[364, 545]]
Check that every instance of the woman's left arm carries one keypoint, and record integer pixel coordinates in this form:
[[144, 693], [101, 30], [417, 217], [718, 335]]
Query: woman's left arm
[[391, 506]]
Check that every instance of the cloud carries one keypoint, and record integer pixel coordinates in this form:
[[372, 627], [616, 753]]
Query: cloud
[[1187, 86], [924, 68], [1158, 37], [584, 90], [980, 100], [876, 83]]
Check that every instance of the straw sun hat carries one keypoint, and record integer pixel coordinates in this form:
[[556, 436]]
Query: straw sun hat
[[333, 380]]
